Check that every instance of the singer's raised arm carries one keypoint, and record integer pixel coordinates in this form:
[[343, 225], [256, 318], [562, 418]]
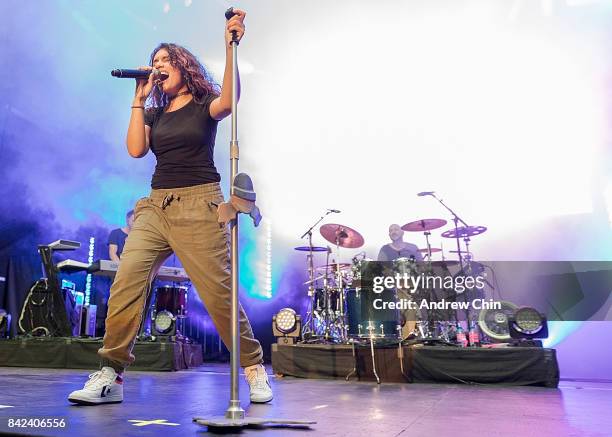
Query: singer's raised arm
[[221, 107]]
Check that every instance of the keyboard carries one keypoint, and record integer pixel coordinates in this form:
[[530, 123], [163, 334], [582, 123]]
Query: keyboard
[[109, 268], [72, 266]]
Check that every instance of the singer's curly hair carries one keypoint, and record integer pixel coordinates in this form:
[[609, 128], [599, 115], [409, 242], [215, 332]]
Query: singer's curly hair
[[197, 78]]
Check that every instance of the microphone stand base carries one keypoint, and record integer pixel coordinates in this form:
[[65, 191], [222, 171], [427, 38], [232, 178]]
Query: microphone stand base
[[224, 422]]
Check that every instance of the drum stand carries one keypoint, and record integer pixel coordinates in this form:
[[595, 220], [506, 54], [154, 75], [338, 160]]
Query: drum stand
[[371, 328], [354, 371], [234, 415], [400, 351]]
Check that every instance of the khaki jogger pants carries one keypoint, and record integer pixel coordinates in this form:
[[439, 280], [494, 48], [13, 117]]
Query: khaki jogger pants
[[183, 221]]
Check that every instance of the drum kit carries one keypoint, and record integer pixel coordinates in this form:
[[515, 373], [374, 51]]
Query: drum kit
[[341, 310]]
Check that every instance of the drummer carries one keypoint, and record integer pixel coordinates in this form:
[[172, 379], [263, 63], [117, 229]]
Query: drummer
[[398, 248]]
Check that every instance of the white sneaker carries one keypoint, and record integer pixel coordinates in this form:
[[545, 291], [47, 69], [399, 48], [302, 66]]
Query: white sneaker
[[259, 386], [103, 387]]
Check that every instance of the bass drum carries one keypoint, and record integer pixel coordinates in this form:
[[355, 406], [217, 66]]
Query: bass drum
[[172, 299], [365, 321]]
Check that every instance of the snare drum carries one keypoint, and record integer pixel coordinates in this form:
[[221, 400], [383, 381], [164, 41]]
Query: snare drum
[[365, 321], [171, 298]]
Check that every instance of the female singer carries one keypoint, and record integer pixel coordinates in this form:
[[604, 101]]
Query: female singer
[[175, 115]]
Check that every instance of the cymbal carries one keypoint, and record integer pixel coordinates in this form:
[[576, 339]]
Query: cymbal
[[433, 250], [464, 231], [307, 249], [314, 280], [341, 235], [343, 266], [444, 263], [424, 225]]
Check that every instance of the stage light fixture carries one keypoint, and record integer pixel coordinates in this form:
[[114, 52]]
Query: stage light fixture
[[286, 326], [528, 323], [494, 322], [164, 323], [285, 320]]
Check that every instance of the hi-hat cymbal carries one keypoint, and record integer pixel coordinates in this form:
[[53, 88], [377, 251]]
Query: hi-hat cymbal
[[308, 248], [464, 231], [424, 225], [445, 263], [342, 235], [433, 250], [314, 280], [343, 266]]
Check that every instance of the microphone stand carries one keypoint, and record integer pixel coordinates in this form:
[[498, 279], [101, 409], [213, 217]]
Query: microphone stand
[[311, 288], [234, 415], [456, 220], [309, 231]]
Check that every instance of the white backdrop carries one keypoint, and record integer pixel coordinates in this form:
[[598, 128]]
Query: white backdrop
[[360, 105]]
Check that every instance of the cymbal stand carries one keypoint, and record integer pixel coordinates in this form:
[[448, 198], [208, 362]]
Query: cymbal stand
[[340, 288], [427, 234]]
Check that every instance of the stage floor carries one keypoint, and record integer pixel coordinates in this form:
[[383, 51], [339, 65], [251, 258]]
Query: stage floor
[[340, 408]]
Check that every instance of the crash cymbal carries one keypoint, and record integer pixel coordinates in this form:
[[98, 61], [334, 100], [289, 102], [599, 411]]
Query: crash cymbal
[[343, 266], [341, 235], [308, 248], [433, 250], [424, 225], [464, 231]]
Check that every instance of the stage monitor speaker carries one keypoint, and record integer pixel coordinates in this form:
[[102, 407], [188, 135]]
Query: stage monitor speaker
[[88, 321], [76, 313]]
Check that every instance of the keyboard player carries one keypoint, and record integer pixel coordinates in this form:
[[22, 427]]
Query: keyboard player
[[117, 237]]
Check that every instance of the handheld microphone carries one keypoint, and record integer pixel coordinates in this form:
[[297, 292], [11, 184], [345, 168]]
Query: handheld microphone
[[335, 211], [123, 73], [425, 193], [229, 14]]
